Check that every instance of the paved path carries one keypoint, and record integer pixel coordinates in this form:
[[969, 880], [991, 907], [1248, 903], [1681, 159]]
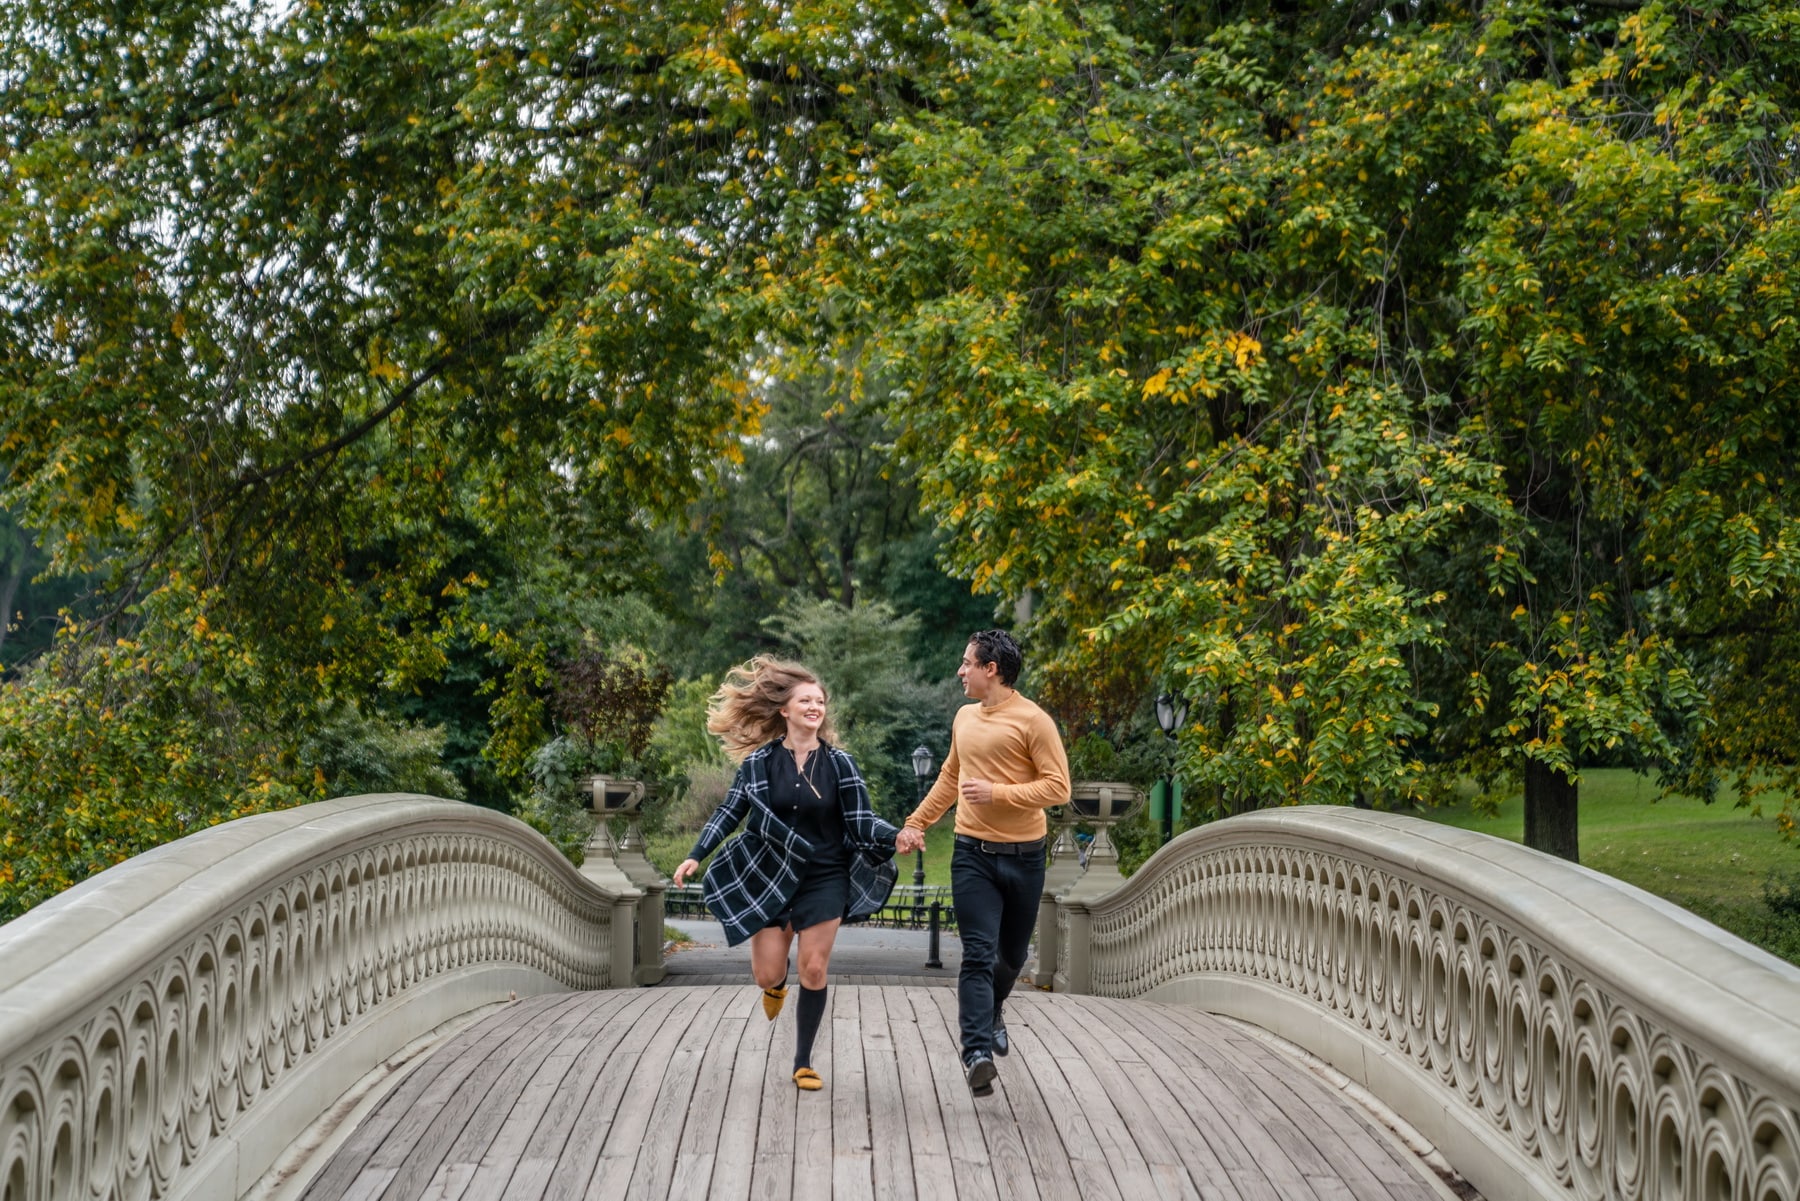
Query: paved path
[[861, 955], [685, 1093]]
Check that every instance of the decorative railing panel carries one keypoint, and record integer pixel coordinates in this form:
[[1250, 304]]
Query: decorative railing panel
[[1557, 1032], [155, 1020]]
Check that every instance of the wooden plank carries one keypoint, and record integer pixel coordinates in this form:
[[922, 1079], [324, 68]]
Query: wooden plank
[[537, 1161], [695, 1154], [852, 1146], [812, 1111], [417, 1142], [687, 1093], [1162, 1129], [933, 1174], [963, 1133], [1037, 1121], [444, 1158], [772, 1171], [1361, 1155], [743, 1106], [1254, 1162], [1298, 1162], [653, 1034], [1173, 1181], [334, 1181], [1095, 1021], [1087, 1161], [890, 1149], [656, 1096], [674, 1102], [482, 1160], [1071, 1045]]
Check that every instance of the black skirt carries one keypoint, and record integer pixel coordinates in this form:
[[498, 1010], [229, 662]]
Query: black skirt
[[822, 895]]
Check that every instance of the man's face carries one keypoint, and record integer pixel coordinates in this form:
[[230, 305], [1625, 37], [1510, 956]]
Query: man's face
[[977, 678]]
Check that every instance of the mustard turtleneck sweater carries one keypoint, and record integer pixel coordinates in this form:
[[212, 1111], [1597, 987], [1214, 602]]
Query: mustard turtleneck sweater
[[1015, 747]]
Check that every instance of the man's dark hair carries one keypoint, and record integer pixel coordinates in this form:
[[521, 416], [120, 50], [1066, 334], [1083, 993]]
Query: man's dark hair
[[997, 647]]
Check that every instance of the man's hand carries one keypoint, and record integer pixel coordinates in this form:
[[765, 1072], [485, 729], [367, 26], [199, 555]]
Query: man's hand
[[977, 792], [908, 840]]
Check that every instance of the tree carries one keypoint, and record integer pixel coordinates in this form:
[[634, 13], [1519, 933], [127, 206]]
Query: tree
[[301, 306], [1322, 359], [818, 504], [1629, 316]]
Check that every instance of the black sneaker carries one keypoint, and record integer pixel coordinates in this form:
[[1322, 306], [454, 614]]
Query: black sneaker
[[1002, 1044], [981, 1072]]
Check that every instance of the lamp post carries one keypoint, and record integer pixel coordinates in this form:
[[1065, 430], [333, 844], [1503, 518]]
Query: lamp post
[[923, 762], [1171, 713]]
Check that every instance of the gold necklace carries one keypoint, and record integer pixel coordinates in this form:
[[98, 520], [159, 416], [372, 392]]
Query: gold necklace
[[803, 771]]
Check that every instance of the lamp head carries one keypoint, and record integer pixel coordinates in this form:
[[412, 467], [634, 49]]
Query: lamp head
[[1166, 717], [922, 762]]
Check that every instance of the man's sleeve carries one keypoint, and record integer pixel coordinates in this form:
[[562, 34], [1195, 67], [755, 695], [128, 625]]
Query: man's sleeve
[[1051, 766], [942, 795]]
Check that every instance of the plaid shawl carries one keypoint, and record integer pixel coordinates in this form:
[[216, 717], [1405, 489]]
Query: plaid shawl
[[756, 873]]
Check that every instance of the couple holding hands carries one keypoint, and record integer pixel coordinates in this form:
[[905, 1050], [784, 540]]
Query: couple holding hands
[[814, 853]]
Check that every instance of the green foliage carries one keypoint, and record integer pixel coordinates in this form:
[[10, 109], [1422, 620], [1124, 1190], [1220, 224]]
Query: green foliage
[[1414, 387], [351, 752], [558, 816], [1410, 386], [680, 735], [608, 703], [818, 503], [1781, 892], [107, 751]]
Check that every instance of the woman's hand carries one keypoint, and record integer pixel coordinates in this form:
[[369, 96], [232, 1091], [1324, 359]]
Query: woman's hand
[[688, 867]]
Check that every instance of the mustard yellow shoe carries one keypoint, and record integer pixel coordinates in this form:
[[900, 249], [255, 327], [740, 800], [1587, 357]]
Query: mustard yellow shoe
[[772, 1000], [807, 1080]]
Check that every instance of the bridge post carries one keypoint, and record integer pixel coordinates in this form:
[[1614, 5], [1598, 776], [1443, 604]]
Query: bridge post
[[1064, 870], [598, 866], [650, 910], [1074, 971]]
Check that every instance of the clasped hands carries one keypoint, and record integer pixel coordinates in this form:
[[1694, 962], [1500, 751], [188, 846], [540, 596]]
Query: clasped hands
[[973, 792]]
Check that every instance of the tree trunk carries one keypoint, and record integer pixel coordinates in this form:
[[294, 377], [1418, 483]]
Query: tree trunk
[[1550, 809], [9, 588]]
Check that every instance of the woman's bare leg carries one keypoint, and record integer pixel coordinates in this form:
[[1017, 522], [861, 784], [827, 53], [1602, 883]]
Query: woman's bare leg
[[769, 955], [815, 952]]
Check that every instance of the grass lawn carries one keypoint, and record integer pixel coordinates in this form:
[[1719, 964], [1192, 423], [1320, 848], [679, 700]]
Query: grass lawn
[[1712, 859]]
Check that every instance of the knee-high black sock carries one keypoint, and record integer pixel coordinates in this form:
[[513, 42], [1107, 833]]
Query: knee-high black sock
[[812, 1008]]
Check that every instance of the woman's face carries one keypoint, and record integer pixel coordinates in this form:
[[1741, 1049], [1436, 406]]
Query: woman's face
[[805, 710]]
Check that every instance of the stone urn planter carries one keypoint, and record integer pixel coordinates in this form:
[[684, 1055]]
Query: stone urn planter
[[1100, 803], [622, 865]]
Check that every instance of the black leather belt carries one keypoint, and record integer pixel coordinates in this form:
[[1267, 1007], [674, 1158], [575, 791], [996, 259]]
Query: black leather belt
[[1000, 848]]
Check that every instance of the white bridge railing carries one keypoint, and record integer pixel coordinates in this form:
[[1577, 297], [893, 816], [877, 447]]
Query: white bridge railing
[[1555, 1032], [168, 1027]]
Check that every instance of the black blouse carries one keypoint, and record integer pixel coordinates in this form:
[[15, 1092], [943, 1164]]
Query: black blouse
[[809, 802]]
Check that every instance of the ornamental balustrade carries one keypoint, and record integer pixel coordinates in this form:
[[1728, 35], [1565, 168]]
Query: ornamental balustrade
[[1555, 1032], [168, 1027]]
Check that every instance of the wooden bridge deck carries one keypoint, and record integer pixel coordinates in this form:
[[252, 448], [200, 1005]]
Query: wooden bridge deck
[[685, 1092]]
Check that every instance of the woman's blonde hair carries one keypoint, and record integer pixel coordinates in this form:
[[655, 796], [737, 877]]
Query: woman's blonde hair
[[745, 712]]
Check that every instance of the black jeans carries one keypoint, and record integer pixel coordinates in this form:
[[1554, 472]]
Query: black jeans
[[996, 911]]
